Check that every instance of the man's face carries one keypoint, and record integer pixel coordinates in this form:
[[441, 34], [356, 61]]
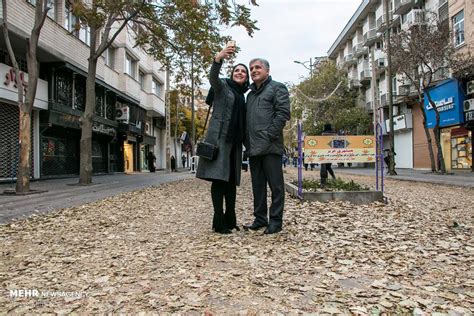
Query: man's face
[[258, 72]]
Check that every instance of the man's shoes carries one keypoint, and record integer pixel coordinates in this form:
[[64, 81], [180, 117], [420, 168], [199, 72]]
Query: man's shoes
[[254, 226], [272, 230]]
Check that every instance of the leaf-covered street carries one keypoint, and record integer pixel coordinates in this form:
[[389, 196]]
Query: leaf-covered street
[[153, 250]]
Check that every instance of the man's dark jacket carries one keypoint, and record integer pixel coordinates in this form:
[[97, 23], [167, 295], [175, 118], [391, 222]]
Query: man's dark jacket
[[268, 109]]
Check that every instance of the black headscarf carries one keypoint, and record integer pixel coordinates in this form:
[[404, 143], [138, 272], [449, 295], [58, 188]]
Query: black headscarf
[[236, 131]]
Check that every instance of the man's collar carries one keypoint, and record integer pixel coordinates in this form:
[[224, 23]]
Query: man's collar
[[253, 86]]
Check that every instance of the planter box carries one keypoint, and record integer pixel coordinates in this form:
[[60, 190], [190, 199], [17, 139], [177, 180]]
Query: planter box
[[355, 197]]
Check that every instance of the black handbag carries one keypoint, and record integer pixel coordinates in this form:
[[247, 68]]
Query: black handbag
[[207, 150]]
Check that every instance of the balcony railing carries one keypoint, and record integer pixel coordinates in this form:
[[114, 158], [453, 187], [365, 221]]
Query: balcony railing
[[349, 59], [370, 37], [354, 83], [403, 6], [369, 106], [365, 76], [359, 49], [382, 24]]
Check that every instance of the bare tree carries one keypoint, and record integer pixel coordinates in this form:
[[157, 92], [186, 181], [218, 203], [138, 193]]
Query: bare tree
[[419, 53], [26, 94]]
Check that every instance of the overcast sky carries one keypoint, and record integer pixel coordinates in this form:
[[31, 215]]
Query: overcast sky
[[293, 30]]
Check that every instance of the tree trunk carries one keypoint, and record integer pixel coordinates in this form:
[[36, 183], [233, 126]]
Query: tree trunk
[[428, 135], [85, 176], [24, 163], [85, 166], [436, 130]]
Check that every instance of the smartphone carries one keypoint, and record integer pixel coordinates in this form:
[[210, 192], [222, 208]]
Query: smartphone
[[231, 44]]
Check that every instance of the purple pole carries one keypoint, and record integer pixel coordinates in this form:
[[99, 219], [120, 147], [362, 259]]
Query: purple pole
[[300, 160]]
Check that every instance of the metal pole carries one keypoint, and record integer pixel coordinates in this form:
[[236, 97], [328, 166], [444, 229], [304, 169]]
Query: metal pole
[[390, 91], [311, 68], [300, 159], [193, 127], [167, 119]]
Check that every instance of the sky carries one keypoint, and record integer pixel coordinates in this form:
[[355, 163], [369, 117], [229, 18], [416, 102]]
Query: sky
[[292, 30]]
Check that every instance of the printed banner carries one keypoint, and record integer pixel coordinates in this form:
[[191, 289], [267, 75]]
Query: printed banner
[[325, 149]]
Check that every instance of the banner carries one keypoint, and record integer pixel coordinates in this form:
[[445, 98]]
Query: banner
[[326, 149]]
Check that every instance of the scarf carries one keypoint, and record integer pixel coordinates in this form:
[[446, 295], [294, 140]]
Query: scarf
[[236, 130]]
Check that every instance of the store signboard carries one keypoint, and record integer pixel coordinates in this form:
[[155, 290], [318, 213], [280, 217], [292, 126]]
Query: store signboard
[[10, 82], [328, 149], [448, 98]]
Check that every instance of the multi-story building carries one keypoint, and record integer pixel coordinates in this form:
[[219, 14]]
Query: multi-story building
[[359, 50], [129, 117]]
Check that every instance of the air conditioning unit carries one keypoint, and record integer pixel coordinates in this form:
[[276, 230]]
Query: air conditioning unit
[[470, 87], [469, 105], [122, 114]]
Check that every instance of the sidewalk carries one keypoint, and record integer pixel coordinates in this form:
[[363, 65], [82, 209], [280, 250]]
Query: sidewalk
[[63, 193], [457, 178]]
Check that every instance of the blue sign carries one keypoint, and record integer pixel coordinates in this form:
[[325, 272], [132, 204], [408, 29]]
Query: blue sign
[[448, 97]]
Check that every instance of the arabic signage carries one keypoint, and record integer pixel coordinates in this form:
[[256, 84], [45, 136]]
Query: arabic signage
[[328, 149], [448, 98], [10, 83]]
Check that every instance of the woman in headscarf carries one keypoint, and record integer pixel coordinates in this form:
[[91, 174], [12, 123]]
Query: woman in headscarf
[[226, 130]]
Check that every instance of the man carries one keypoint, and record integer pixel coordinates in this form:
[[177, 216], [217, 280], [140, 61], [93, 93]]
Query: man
[[268, 109], [326, 167]]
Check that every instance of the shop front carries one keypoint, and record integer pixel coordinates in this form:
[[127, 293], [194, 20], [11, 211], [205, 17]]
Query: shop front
[[456, 143], [9, 122]]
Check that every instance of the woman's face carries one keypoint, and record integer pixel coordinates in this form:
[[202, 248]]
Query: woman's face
[[240, 75]]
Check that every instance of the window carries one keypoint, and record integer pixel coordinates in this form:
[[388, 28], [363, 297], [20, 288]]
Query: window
[[130, 65], [156, 87], [73, 25], [141, 79], [109, 55], [458, 28], [51, 5]]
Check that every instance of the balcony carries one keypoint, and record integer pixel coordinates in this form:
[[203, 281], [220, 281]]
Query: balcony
[[415, 17], [365, 76], [359, 49], [369, 106], [380, 65], [370, 37], [382, 24], [349, 60], [153, 104], [403, 6], [354, 83], [406, 90], [383, 100], [440, 74]]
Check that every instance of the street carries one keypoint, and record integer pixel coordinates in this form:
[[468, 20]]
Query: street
[[153, 250]]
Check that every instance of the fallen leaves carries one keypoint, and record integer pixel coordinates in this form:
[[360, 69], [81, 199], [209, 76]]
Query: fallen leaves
[[153, 250]]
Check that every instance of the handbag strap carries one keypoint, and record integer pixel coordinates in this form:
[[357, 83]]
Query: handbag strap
[[207, 118]]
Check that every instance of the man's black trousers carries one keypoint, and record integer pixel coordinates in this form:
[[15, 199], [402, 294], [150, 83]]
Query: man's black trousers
[[267, 169]]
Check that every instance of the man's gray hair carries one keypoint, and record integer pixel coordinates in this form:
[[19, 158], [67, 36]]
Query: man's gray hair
[[264, 62]]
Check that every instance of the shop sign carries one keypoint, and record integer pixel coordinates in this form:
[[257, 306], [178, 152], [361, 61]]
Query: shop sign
[[9, 88], [328, 149], [103, 129], [448, 99]]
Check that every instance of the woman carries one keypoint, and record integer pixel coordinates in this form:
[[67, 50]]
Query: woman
[[226, 130]]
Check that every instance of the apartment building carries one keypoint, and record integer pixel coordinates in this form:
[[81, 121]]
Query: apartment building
[[359, 50], [129, 118]]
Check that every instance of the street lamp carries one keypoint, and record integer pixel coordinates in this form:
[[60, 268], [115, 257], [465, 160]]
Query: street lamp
[[317, 60]]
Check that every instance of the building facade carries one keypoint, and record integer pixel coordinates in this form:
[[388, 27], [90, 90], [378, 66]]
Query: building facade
[[129, 117], [359, 50]]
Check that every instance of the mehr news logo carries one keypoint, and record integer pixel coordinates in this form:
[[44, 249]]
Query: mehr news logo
[[34, 293]]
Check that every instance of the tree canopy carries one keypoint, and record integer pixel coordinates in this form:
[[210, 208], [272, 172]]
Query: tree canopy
[[326, 98]]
